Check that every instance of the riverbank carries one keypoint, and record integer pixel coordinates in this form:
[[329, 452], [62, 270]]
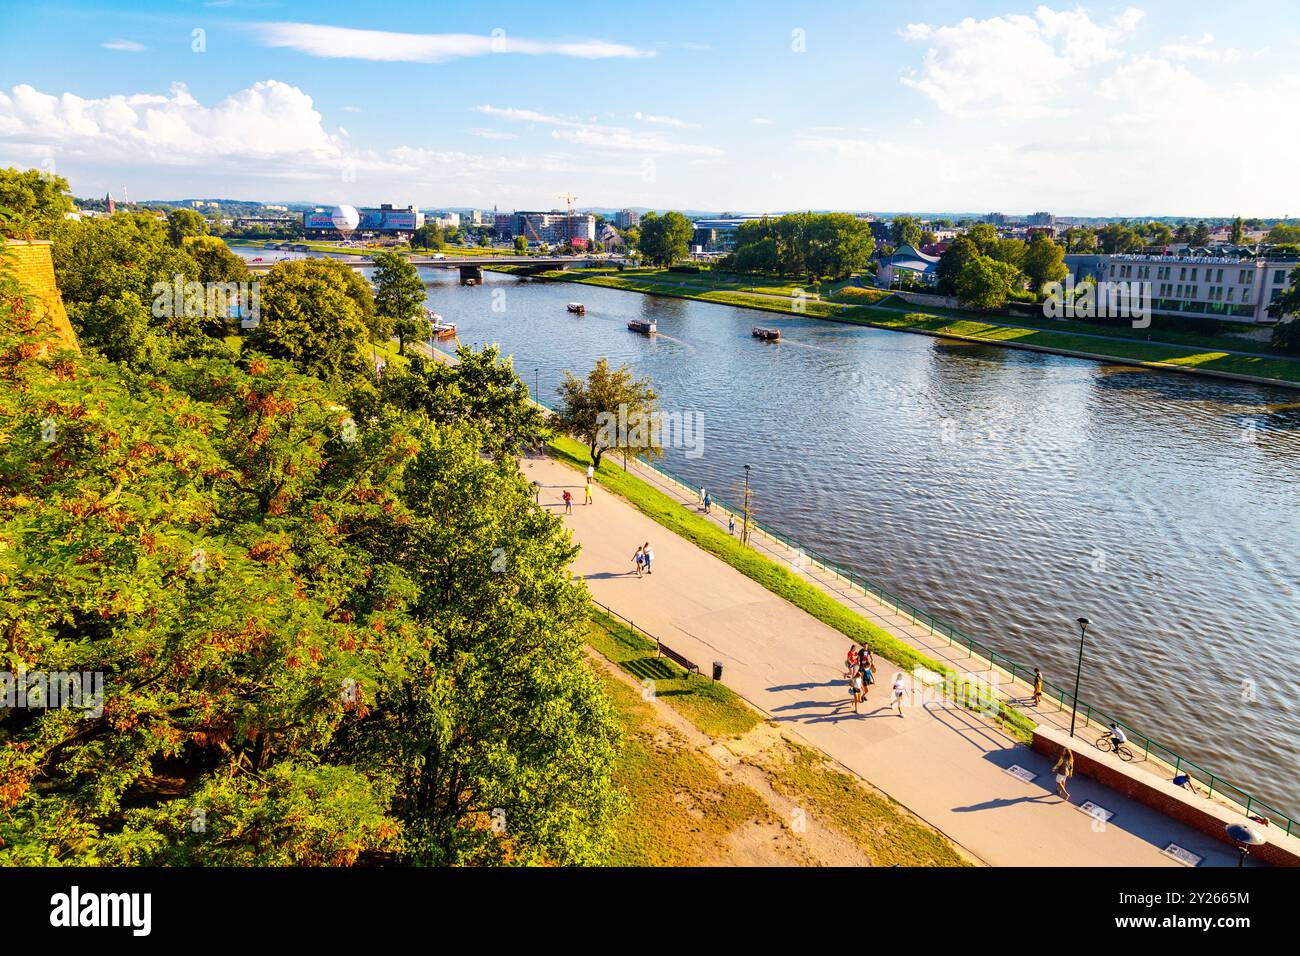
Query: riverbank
[[1095, 346]]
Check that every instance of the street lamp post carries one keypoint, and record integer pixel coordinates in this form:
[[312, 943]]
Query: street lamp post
[[1074, 712], [1245, 837], [744, 531], [537, 386]]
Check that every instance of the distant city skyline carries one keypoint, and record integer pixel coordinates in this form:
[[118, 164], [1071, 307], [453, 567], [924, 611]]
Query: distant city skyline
[[1108, 110]]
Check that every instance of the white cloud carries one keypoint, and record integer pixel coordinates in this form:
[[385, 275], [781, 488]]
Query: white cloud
[[1202, 49], [352, 109], [529, 116], [484, 133], [621, 139], [761, 121], [347, 43], [1012, 67], [665, 121], [124, 46]]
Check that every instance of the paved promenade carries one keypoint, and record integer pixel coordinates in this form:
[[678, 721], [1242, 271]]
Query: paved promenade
[[947, 765]]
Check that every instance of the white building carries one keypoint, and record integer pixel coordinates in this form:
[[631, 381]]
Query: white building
[[1216, 287]]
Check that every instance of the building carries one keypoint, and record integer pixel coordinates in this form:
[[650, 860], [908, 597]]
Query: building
[[384, 220], [610, 238], [907, 263], [718, 235], [554, 228], [627, 219], [1231, 288], [1041, 219]]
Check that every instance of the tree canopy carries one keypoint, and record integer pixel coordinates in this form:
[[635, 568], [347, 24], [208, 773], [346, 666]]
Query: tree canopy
[[665, 239]]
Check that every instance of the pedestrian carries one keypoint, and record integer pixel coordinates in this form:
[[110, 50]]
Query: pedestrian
[[1064, 770], [591, 473], [649, 556], [1038, 687], [1184, 780], [731, 523], [900, 687], [702, 493], [855, 687], [708, 502], [638, 559], [568, 502], [537, 492], [587, 493], [851, 659], [868, 672]]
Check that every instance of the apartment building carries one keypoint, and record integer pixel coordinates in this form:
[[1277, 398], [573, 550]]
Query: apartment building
[[1217, 287]]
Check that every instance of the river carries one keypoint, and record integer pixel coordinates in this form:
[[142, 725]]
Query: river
[[1007, 492]]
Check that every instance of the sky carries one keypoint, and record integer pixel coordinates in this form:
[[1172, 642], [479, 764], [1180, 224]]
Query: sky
[[1156, 108]]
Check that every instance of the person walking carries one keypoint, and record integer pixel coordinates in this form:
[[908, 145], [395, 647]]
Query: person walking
[[587, 493], [1038, 687], [591, 473], [900, 687], [568, 502], [708, 502], [1064, 770], [855, 687], [867, 668], [731, 523], [648, 556], [639, 560]]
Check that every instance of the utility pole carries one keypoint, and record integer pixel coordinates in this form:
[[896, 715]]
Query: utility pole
[[745, 501]]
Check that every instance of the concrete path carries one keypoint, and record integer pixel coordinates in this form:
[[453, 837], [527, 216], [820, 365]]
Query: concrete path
[[949, 766]]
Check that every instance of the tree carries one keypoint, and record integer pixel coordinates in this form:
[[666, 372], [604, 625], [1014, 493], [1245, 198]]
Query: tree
[[215, 261], [521, 245], [399, 298], [961, 251], [1286, 334], [1010, 251], [986, 284], [185, 224], [479, 388], [1043, 262], [1238, 231], [1157, 234], [905, 231], [1201, 234], [610, 410], [1117, 238], [32, 203], [316, 318], [428, 236], [665, 239], [985, 237], [118, 276], [837, 246], [1283, 233]]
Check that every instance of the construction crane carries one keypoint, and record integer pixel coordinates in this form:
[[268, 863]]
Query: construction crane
[[569, 200]]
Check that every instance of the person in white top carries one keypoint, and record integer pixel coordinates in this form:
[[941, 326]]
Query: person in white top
[[900, 687], [591, 472]]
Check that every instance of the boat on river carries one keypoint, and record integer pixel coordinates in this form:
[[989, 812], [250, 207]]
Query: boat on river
[[642, 326], [577, 308], [767, 335]]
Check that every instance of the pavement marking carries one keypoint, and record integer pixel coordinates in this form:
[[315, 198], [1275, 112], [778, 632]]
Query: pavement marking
[[1020, 773], [1181, 855], [1098, 812]]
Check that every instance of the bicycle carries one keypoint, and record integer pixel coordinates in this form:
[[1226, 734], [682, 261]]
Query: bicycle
[[1107, 744]]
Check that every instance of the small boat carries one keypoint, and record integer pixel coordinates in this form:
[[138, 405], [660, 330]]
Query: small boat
[[443, 330], [577, 307], [471, 282], [645, 328], [767, 335]]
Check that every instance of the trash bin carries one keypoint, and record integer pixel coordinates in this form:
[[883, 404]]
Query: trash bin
[[717, 670]]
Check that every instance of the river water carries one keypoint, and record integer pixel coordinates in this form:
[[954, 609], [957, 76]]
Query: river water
[[1006, 492]]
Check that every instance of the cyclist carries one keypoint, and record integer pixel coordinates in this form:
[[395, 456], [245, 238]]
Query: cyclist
[[1117, 736]]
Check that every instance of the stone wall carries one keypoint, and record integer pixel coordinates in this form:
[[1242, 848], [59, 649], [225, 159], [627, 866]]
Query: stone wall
[[31, 263]]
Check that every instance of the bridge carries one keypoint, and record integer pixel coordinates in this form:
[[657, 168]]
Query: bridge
[[471, 267]]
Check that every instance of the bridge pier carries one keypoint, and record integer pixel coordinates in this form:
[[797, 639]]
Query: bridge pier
[[471, 275]]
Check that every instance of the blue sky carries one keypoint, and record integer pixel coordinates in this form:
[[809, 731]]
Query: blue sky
[[1127, 109]]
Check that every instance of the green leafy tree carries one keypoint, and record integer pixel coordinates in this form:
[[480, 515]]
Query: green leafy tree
[[986, 284], [985, 237], [1286, 334], [399, 298], [1043, 262], [595, 410], [1201, 234], [1118, 238], [185, 224], [479, 388], [665, 239], [428, 236], [959, 252], [905, 231], [32, 203], [521, 245], [1283, 233], [314, 316], [1238, 231]]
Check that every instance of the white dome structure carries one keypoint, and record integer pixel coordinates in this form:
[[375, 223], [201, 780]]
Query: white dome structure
[[345, 219]]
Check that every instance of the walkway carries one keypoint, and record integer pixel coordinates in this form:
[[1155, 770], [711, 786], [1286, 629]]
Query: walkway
[[949, 766]]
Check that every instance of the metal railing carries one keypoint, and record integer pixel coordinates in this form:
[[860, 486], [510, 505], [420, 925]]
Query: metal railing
[[1253, 805], [662, 649]]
